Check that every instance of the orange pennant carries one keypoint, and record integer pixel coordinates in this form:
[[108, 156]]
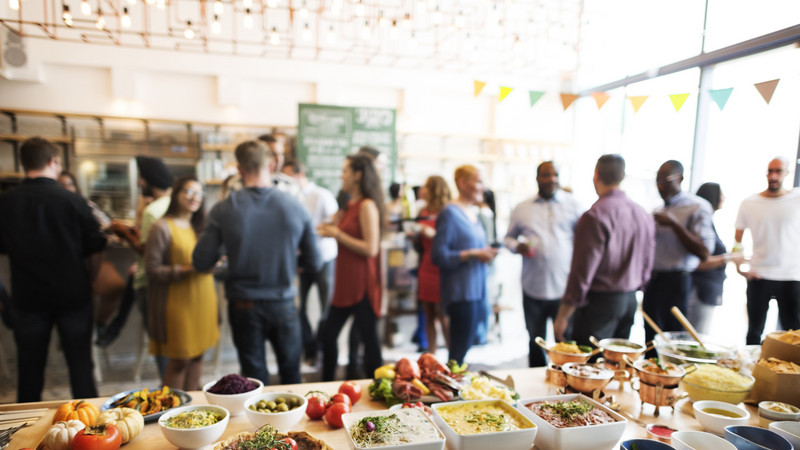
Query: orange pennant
[[504, 91], [678, 100], [767, 88], [600, 98], [479, 85], [567, 99], [637, 101]]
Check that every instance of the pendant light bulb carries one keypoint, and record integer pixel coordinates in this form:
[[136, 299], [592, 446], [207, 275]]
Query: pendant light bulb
[[101, 21], [188, 33], [360, 10], [383, 21], [306, 33], [274, 39], [331, 35], [126, 18], [437, 16], [13, 4], [248, 19], [407, 22], [304, 11], [366, 32], [394, 33], [218, 8], [412, 41], [86, 8], [460, 20], [216, 27], [67, 16]]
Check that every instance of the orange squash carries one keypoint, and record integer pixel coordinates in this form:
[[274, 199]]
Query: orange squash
[[78, 410]]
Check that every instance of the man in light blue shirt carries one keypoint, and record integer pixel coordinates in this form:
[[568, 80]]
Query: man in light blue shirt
[[684, 237], [542, 230]]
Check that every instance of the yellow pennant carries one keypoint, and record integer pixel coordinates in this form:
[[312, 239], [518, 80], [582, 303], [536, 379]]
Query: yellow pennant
[[767, 88], [479, 85], [600, 98], [567, 99], [637, 101], [504, 91], [678, 100]]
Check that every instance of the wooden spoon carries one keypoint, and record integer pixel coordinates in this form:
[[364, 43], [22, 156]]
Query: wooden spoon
[[686, 324], [656, 328]]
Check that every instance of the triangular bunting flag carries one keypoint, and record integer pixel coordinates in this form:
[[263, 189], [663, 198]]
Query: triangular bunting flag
[[504, 91], [535, 96], [600, 98], [637, 101], [678, 100], [567, 99], [479, 85], [721, 96], [766, 89]]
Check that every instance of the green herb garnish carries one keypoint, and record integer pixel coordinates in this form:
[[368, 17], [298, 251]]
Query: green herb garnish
[[266, 437], [387, 431], [496, 421], [568, 410]]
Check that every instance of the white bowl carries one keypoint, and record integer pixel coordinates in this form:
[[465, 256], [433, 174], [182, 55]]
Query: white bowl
[[194, 437], [232, 402], [283, 421], [515, 439], [699, 440], [604, 435], [789, 430], [716, 423], [766, 415], [351, 419]]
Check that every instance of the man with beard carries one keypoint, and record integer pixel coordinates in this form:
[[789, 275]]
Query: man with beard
[[542, 230], [773, 218]]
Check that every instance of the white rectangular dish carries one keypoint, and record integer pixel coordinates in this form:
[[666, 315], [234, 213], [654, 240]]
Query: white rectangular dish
[[600, 436], [519, 439], [411, 415]]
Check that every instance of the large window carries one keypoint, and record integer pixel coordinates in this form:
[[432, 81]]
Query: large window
[[733, 21]]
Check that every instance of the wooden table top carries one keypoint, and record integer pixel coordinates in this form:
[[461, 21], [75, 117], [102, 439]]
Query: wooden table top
[[530, 383]]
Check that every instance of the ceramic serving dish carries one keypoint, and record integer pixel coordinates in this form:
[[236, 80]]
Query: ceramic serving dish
[[436, 441], [789, 430], [194, 438], [712, 415], [232, 402], [699, 440], [755, 438], [521, 438]]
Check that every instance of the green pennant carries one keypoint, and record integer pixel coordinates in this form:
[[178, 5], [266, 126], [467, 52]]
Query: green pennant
[[535, 96], [720, 96]]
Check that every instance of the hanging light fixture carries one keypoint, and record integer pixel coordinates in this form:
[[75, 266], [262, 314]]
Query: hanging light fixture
[[126, 18], [360, 10], [407, 22], [101, 21], [460, 20], [394, 33], [86, 8], [306, 33], [412, 41], [216, 27], [218, 8], [437, 16], [248, 18], [188, 33], [383, 21], [66, 15], [274, 39], [366, 31], [331, 35], [13, 4], [304, 11]]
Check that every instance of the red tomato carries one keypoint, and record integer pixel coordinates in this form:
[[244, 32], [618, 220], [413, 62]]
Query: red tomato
[[290, 445], [352, 390], [341, 398], [334, 414], [97, 437], [316, 407]]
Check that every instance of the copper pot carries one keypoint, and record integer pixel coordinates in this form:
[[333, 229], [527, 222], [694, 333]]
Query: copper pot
[[672, 378], [563, 358], [597, 378], [658, 395], [613, 348]]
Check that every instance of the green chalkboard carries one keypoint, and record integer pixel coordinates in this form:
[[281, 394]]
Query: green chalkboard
[[327, 134]]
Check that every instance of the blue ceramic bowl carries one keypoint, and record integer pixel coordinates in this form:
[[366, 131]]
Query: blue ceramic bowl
[[755, 438], [644, 444]]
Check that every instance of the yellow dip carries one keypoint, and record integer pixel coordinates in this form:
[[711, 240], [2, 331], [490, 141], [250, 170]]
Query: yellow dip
[[483, 417], [721, 412]]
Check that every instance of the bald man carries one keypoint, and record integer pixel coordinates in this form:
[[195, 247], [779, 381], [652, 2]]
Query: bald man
[[773, 218]]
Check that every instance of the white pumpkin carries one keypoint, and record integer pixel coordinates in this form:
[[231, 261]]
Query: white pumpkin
[[129, 422], [60, 435]]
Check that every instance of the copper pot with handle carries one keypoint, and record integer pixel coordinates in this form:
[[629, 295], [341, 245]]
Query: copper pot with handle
[[561, 358], [587, 378], [666, 373], [613, 349]]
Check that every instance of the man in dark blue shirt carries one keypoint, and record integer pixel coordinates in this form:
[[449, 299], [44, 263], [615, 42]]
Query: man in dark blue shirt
[[54, 246]]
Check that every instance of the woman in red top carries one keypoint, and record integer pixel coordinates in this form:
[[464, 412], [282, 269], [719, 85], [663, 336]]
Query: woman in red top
[[357, 287], [436, 194]]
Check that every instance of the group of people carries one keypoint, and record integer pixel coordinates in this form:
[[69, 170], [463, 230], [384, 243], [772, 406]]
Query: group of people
[[274, 225]]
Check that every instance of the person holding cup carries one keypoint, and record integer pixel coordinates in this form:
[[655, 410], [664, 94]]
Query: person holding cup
[[542, 230]]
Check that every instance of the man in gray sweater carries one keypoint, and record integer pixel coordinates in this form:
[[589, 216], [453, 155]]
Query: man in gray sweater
[[262, 229]]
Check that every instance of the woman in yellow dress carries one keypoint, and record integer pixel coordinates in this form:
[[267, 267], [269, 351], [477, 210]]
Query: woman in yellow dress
[[181, 303]]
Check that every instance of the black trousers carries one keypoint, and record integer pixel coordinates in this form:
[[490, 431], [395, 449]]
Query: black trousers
[[537, 311], [759, 293], [32, 335], [665, 290], [608, 315], [367, 324]]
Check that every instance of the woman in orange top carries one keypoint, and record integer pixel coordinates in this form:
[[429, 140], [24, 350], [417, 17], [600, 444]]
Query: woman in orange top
[[357, 287]]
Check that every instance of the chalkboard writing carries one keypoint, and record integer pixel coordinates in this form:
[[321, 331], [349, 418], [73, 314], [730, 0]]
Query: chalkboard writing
[[327, 134]]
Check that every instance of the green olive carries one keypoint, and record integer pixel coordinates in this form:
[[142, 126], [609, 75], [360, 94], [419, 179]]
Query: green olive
[[282, 407], [271, 405]]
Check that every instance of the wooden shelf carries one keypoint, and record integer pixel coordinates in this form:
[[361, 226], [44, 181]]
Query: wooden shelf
[[23, 138]]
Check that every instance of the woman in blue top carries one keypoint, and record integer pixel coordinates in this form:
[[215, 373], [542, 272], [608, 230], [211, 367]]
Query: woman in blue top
[[460, 251]]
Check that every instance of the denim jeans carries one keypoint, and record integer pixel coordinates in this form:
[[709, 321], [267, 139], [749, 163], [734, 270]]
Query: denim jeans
[[537, 311], [255, 321], [463, 324], [759, 293], [365, 322], [32, 335], [324, 281]]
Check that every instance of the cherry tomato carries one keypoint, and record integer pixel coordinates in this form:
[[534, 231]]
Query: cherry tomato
[[290, 444], [97, 437], [341, 398], [316, 407], [352, 390], [334, 414]]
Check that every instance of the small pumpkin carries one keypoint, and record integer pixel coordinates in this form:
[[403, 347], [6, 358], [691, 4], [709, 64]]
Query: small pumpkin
[[61, 434], [129, 421], [77, 410]]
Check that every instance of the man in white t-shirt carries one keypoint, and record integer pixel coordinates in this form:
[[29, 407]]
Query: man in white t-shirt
[[773, 218], [322, 206]]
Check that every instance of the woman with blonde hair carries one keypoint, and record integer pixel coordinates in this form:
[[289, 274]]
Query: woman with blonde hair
[[461, 253]]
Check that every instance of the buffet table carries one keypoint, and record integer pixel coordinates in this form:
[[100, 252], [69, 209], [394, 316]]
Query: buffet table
[[530, 383]]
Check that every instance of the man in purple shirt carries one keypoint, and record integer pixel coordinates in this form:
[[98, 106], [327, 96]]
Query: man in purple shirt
[[612, 259]]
